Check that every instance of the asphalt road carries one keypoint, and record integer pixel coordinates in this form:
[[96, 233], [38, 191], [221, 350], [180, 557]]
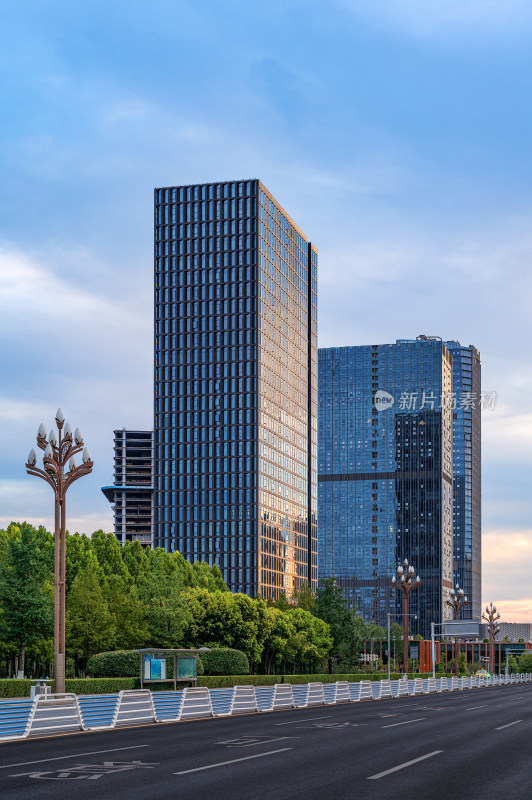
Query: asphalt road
[[461, 745]]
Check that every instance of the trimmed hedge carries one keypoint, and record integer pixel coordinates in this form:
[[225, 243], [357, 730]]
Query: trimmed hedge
[[226, 681], [325, 677], [225, 661], [100, 685], [13, 687], [117, 663]]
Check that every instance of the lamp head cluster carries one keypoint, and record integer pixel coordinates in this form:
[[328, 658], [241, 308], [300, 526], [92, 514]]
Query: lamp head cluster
[[404, 579], [60, 450], [457, 598], [491, 616]]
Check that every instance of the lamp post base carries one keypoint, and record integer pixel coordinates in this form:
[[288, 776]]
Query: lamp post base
[[59, 672]]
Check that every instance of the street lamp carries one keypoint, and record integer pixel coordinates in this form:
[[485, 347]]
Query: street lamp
[[405, 582], [59, 451], [456, 600], [491, 617]]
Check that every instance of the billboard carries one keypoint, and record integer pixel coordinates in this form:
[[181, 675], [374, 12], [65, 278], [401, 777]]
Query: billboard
[[461, 629]]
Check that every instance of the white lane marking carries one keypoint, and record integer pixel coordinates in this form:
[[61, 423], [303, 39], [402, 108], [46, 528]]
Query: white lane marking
[[501, 727], [474, 708], [249, 741], [403, 766], [303, 719], [407, 722], [233, 761], [76, 755]]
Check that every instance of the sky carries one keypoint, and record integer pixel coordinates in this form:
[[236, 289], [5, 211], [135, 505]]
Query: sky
[[397, 134]]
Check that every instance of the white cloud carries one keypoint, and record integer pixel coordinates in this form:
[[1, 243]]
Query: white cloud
[[506, 559], [507, 437], [86, 524], [443, 18], [89, 352]]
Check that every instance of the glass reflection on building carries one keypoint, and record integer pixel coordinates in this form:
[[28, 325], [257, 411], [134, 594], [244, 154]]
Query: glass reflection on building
[[385, 464], [236, 385]]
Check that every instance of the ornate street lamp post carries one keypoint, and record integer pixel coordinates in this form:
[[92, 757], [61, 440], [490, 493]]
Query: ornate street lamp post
[[405, 581], [456, 600], [492, 617], [59, 451]]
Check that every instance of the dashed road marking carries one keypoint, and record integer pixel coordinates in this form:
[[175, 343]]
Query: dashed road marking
[[508, 725], [403, 766], [406, 722], [233, 761]]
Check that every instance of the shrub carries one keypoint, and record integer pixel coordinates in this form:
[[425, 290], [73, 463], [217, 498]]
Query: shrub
[[116, 664], [225, 661], [12, 687], [100, 685]]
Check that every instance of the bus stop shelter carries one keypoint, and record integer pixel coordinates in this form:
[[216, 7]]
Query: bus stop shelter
[[153, 665]]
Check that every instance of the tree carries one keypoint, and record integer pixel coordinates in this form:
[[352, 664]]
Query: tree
[[312, 641], [89, 623], [525, 662], [108, 551], [135, 559], [281, 603], [221, 618], [161, 587], [278, 631], [331, 607], [208, 577], [78, 554], [129, 618], [304, 598], [396, 638], [26, 594]]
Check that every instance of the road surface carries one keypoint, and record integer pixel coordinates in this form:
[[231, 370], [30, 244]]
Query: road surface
[[462, 745]]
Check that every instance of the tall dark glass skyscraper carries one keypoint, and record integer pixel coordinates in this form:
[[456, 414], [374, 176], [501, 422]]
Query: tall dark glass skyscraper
[[467, 474], [385, 467], [236, 385]]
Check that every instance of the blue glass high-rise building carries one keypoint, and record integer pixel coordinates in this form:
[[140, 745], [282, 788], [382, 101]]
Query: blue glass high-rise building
[[467, 474], [236, 385], [385, 464]]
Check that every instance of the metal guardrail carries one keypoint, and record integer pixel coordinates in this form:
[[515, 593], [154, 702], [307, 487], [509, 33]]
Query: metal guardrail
[[54, 713]]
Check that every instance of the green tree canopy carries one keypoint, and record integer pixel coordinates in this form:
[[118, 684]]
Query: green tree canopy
[[331, 607], [160, 589], [221, 618], [89, 623], [26, 593]]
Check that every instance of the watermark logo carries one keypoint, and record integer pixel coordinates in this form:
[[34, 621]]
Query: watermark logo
[[432, 401], [457, 401], [383, 400]]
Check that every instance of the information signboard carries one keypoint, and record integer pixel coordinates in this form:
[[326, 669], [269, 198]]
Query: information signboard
[[186, 668], [154, 668]]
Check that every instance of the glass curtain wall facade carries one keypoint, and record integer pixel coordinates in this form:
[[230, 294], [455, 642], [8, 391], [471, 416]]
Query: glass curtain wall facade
[[467, 526], [236, 385], [385, 475]]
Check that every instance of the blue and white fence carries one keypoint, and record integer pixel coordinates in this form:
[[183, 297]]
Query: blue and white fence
[[56, 713]]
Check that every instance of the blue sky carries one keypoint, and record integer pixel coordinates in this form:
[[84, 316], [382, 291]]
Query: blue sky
[[397, 134]]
